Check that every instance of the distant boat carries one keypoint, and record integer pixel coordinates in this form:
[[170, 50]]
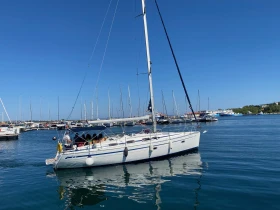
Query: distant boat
[[109, 124], [176, 121], [229, 113], [261, 113], [8, 133], [149, 122], [163, 121], [208, 118], [131, 123]]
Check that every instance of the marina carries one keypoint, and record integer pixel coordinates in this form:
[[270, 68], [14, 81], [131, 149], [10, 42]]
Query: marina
[[89, 117], [236, 166]]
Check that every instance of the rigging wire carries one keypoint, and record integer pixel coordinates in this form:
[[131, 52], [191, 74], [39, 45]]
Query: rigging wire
[[94, 48], [137, 66], [99, 34], [77, 96], [175, 60], [106, 46]]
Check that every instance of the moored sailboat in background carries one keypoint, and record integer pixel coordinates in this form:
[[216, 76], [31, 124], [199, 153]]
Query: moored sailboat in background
[[8, 132]]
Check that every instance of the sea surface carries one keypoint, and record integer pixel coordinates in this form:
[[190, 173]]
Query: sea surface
[[237, 166]]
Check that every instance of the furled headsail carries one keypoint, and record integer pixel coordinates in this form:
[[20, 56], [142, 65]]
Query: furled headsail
[[150, 106]]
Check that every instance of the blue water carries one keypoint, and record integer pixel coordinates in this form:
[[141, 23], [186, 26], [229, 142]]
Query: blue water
[[236, 167]]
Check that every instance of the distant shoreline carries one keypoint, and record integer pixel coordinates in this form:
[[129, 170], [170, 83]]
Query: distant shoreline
[[276, 113]]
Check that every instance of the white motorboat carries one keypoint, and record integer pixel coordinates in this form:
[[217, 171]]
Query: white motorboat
[[8, 133]]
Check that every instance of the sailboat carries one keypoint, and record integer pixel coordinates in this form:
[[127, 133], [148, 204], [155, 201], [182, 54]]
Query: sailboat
[[104, 149], [176, 119], [7, 132]]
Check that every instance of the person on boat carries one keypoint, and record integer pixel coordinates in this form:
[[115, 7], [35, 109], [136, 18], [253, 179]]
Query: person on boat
[[101, 138], [67, 140], [81, 140], [94, 138], [88, 139], [76, 139]]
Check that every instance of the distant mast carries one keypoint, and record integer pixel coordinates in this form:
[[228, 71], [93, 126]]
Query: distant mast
[[149, 65], [20, 109], [96, 104], [85, 111], [40, 109], [30, 111], [91, 110], [175, 111], [130, 108], [121, 102], [58, 108], [49, 111], [109, 107], [5, 111], [198, 102]]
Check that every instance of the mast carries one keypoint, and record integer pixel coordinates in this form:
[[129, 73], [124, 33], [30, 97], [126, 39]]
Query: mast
[[198, 102], [149, 65], [175, 104], [5, 111], [20, 114], [121, 102], [130, 108], [138, 95], [49, 112], [96, 104], [30, 111], [164, 109], [91, 110], [40, 109], [81, 109], [109, 108], [58, 108], [85, 110]]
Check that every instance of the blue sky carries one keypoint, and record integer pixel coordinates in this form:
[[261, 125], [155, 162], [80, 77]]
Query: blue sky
[[228, 50]]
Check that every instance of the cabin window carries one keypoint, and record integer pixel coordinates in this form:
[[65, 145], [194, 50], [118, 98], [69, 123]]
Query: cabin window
[[146, 139], [113, 144]]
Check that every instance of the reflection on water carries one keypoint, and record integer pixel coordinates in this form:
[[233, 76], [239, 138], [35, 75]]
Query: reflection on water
[[141, 182]]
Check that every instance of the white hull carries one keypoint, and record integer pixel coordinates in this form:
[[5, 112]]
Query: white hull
[[8, 134], [139, 148]]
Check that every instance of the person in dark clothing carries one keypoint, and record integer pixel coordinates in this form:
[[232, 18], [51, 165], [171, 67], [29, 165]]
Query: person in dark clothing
[[100, 136], [94, 138], [80, 140]]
